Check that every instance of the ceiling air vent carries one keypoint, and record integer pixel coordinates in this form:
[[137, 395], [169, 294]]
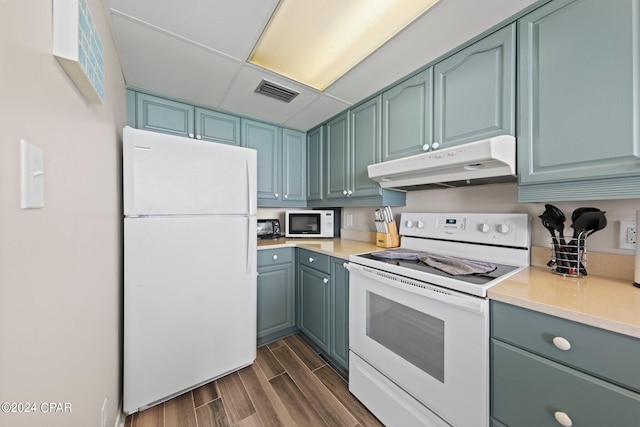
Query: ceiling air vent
[[276, 91]]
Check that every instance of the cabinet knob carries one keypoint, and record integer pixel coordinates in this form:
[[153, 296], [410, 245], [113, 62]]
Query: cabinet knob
[[310, 259], [286, 196], [435, 145], [344, 192], [276, 195], [275, 257], [425, 147], [325, 280], [349, 193], [562, 343], [190, 135], [345, 265], [563, 419], [198, 136]]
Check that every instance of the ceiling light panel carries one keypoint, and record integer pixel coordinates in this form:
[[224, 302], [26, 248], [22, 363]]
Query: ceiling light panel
[[316, 42]]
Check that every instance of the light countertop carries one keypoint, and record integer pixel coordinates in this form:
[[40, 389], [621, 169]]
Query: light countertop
[[612, 304], [339, 248], [603, 302]]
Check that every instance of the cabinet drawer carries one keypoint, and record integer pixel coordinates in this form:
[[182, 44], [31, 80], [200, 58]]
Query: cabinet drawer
[[274, 256], [528, 390], [605, 354], [314, 260]]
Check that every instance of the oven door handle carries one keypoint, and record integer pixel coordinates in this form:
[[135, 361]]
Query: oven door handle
[[470, 303]]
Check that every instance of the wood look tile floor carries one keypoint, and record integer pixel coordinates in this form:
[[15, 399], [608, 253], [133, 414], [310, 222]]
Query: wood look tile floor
[[288, 385]]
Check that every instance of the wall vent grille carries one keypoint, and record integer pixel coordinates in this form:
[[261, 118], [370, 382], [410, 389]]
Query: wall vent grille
[[276, 91]]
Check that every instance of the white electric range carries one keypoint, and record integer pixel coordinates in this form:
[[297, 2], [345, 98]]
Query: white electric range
[[419, 317]]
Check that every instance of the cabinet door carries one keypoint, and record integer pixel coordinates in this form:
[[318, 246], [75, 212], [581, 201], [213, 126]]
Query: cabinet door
[[162, 115], [474, 91], [406, 114], [578, 93], [275, 299], [527, 391], [339, 348], [313, 305], [314, 165], [266, 140], [337, 157], [294, 174], [217, 127], [365, 122]]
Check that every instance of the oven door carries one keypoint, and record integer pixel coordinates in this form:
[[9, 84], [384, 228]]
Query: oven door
[[431, 342]]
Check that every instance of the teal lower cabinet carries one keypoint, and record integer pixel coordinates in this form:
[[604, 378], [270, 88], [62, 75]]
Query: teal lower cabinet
[[276, 294], [548, 371], [323, 304], [313, 287], [339, 306]]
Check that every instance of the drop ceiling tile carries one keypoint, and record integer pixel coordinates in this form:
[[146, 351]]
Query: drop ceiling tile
[[319, 111], [165, 64], [243, 99], [230, 27]]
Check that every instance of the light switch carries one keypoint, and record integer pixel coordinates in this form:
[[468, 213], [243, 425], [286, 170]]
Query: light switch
[[31, 176]]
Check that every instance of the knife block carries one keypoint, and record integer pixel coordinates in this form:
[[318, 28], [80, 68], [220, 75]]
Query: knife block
[[390, 239]]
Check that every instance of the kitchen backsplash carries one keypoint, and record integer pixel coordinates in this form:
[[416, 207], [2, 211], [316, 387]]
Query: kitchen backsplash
[[503, 198]]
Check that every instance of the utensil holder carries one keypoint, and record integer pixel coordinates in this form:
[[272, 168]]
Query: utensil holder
[[569, 259], [390, 239]]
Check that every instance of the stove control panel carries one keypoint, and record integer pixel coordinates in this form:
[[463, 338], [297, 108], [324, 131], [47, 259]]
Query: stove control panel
[[496, 229]]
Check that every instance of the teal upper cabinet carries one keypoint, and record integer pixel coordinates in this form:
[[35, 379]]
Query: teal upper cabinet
[[407, 117], [315, 175], [265, 139], [351, 143], [163, 115], [337, 157], [294, 177], [474, 91], [365, 123], [281, 163], [217, 127], [579, 80]]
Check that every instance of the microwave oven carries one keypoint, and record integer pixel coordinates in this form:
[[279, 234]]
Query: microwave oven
[[309, 223]]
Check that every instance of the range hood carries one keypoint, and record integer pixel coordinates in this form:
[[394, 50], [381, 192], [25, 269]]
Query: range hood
[[481, 162]]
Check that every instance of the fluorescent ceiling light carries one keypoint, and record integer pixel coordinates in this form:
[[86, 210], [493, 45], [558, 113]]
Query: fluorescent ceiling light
[[315, 42]]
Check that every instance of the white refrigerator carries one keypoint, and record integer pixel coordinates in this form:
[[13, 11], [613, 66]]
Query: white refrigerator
[[189, 264]]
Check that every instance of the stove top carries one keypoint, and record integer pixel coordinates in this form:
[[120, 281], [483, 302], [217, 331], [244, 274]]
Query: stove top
[[417, 265], [499, 239]]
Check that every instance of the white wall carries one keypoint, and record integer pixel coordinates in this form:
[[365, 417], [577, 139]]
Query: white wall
[[504, 198], [60, 266]]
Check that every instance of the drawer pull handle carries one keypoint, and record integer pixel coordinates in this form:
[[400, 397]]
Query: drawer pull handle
[[275, 257], [563, 419], [562, 343], [310, 259]]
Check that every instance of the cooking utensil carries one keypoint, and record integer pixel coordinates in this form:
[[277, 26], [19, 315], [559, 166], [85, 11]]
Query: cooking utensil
[[553, 219], [556, 246], [587, 221]]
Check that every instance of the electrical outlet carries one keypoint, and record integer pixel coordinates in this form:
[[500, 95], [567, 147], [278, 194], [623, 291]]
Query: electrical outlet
[[627, 236], [349, 220]]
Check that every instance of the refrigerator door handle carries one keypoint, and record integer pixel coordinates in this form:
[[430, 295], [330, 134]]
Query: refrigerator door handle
[[251, 245], [251, 180]]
